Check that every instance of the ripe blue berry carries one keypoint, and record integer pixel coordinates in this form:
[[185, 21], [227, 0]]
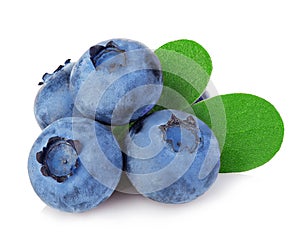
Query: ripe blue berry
[[171, 156], [54, 100], [75, 164], [116, 81]]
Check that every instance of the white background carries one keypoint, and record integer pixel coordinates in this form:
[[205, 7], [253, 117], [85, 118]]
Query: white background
[[254, 46]]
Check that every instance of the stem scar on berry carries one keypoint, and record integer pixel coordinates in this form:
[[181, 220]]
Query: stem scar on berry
[[97, 52], [181, 134], [46, 76], [59, 158]]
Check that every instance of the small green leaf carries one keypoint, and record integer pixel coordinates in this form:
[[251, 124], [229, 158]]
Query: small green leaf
[[251, 133], [120, 132], [186, 68]]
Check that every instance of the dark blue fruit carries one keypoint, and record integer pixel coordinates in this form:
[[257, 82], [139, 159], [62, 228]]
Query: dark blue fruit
[[171, 156], [54, 100], [116, 81], [75, 164]]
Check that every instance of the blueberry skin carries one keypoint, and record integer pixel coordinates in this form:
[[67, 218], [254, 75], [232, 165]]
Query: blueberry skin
[[171, 157], [54, 100], [116, 81], [75, 164]]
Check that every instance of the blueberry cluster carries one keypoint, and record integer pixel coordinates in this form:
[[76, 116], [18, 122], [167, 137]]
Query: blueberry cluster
[[76, 163]]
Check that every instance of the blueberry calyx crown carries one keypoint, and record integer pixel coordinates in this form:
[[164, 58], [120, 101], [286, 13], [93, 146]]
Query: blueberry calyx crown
[[181, 134], [59, 158], [47, 75], [98, 52]]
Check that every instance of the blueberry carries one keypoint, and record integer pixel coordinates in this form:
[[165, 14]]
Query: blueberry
[[75, 164], [171, 156], [116, 81], [54, 100]]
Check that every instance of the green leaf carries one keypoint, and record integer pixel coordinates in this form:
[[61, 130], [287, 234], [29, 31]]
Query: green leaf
[[186, 67], [120, 132], [251, 132]]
